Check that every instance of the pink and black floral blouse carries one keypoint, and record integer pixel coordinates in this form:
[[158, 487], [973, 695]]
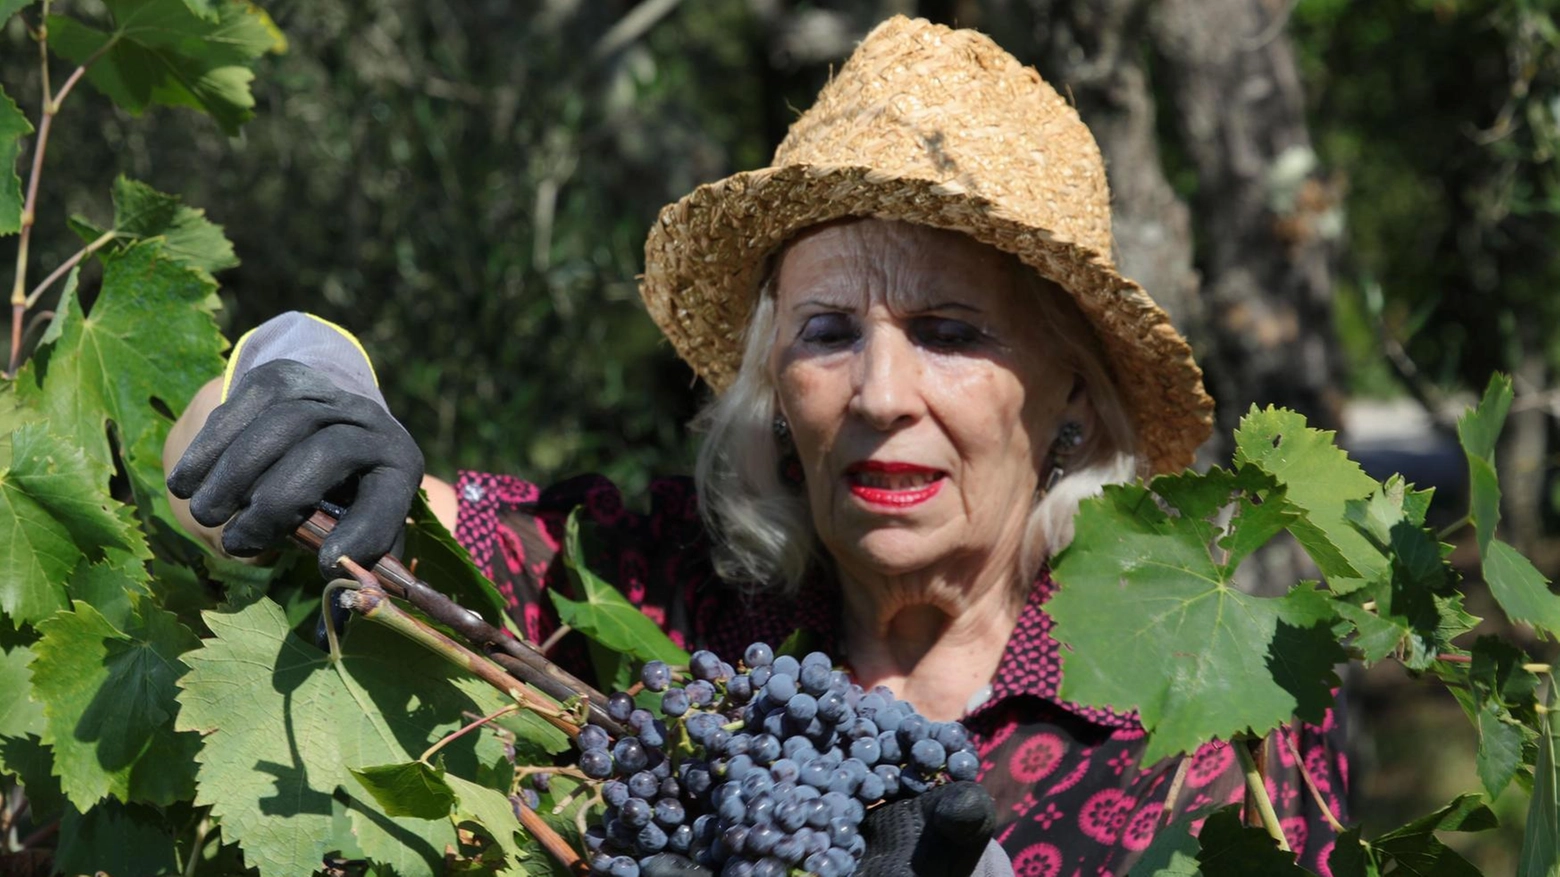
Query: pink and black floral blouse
[[1072, 797]]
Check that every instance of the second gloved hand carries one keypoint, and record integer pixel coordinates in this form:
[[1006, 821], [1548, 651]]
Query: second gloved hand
[[287, 435]]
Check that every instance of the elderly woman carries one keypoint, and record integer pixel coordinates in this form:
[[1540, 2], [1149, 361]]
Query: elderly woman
[[922, 359]]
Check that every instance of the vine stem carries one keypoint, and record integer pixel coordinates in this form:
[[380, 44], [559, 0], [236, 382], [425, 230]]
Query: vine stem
[[551, 840], [73, 261], [1451, 529], [466, 729], [375, 605], [51, 108], [1310, 783], [1256, 791], [202, 828]]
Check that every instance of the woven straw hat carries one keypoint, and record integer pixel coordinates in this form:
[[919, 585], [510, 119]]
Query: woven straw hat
[[939, 127]]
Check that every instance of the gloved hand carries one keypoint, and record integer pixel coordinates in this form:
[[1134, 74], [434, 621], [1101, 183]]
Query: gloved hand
[[943, 833], [301, 417]]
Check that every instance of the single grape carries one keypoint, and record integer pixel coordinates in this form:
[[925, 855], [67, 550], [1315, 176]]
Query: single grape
[[758, 677], [643, 785], [787, 665], [814, 679], [951, 735], [635, 813], [669, 788], [928, 756], [652, 839], [629, 754], [593, 737], [704, 665], [801, 707], [735, 838], [913, 730], [871, 789], [762, 839], [765, 748], [681, 839], [656, 675], [675, 702], [619, 705], [740, 689], [889, 749], [758, 655], [831, 707], [700, 692], [781, 688], [623, 866], [963, 765], [769, 866], [596, 764], [867, 749]]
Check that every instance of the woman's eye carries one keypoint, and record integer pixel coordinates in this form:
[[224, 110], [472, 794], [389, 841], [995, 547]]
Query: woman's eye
[[830, 330], [945, 334]]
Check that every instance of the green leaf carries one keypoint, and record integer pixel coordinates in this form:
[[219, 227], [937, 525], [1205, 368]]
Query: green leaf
[[1540, 855], [109, 699], [31, 762], [55, 512], [20, 715], [605, 615], [1142, 587], [444, 564], [1500, 748], [408, 789], [149, 336], [1416, 850], [1319, 479], [1520, 588], [162, 52], [13, 127], [490, 809], [1172, 853], [186, 235], [1230, 849], [1477, 431], [113, 586], [115, 838], [284, 725], [1351, 857]]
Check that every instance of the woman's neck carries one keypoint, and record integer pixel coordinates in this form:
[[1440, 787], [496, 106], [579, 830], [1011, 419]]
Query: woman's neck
[[933, 638]]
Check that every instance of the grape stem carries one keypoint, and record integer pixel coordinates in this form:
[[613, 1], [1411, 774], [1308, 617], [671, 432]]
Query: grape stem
[[1310, 783], [515, 656], [451, 737], [551, 840], [1256, 792], [375, 605]]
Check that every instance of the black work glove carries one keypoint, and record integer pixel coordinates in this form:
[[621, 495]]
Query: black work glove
[[943, 833], [288, 434]]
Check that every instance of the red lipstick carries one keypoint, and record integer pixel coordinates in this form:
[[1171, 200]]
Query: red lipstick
[[892, 484]]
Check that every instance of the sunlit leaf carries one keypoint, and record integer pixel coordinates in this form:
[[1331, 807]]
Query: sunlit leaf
[[20, 715], [605, 615], [13, 127], [186, 235], [1520, 588], [1144, 587], [408, 789], [109, 699], [163, 52], [1320, 480], [1477, 431]]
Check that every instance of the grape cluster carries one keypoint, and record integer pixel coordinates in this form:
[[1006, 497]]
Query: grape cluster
[[762, 772]]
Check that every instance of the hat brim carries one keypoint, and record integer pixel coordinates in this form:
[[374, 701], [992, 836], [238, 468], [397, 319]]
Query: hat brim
[[704, 255]]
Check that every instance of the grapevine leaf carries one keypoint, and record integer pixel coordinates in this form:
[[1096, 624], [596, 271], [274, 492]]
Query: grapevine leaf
[[109, 700], [1521, 589], [490, 809], [1351, 857], [32, 763], [13, 127], [409, 789], [1498, 673], [162, 52], [1540, 855], [9, 8], [113, 585], [1477, 431], [186, 235], [1142, 587], [149, 336], [1173, 853], [1416, 850], [1319, 479], [115, 838], [1500, 748], [55, 511], [284, 724], [605, 615], [1230, 849], [20, 715], [443, 563]]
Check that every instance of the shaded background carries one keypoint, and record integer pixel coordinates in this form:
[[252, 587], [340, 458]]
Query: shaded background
[[1349, 208]]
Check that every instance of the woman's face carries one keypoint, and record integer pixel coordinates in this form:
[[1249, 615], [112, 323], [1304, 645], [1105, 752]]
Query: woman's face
[[920, 410]]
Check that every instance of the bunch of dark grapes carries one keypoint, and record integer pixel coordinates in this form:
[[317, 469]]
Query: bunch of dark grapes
[[759, 773]]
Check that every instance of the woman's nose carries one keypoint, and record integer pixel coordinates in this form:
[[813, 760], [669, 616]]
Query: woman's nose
[[888, 377]]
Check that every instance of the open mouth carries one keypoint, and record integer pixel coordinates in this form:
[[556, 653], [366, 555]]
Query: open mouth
[[896, 485]]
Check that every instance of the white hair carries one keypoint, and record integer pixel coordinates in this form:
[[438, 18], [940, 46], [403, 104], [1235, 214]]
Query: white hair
[[762, 527]]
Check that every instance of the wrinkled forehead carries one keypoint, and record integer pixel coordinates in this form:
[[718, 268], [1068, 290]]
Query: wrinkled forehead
[[910, 267]]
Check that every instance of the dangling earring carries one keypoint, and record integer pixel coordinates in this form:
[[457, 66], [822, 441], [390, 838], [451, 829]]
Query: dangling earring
[[1068, 437], [790, 463]]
